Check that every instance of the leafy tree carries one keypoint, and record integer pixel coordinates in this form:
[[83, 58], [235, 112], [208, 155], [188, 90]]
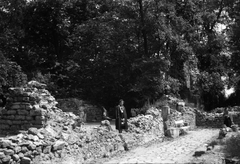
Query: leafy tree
[[104, 50], [11, 74]]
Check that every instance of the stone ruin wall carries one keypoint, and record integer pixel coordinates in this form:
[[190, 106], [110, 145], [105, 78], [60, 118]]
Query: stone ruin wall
[[51, 134], [85, 110], [215, 119], [26, 107]]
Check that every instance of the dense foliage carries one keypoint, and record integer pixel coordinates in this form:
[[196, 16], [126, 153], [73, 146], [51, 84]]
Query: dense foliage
[[138, 50]]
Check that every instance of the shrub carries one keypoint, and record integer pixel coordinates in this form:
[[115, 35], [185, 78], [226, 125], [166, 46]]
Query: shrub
[[232, 147]]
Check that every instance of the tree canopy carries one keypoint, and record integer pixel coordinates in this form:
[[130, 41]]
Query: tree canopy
[[104, 50]]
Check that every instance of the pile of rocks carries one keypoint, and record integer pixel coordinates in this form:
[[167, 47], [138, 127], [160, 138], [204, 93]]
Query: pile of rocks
[[24, 147], [26, 107], [46, 134], [148, 125], [40, 145]]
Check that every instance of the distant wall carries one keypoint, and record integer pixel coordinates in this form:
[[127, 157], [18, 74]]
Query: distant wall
[[87, 112], [215, 120]]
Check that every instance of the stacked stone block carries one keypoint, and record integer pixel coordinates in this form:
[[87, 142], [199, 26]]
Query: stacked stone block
[[26, 107]]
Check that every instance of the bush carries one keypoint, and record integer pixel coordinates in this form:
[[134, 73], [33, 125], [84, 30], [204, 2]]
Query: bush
[[232, 147]]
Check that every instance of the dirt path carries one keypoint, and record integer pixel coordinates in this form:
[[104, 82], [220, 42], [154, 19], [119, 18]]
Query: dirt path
[[179, 150]]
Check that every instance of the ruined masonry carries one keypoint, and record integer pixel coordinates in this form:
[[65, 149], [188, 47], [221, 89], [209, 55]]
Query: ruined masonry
[[27, 107]]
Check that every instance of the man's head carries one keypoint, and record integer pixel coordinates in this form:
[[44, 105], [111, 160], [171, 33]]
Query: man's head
[[121, 102]]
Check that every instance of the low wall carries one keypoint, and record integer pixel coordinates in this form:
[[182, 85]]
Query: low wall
[[214, 120], [85, 110]]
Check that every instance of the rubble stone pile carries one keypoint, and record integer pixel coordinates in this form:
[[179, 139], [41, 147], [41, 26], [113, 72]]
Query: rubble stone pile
[[42, 130], [26, 107], [104, 141], [46, 134], [22, 148], [148, 126]]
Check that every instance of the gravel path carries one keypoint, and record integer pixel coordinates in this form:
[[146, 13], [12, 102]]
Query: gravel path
[[179, 150]]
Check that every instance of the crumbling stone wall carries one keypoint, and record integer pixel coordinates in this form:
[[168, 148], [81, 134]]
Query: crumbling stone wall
[[85, 110], [42, 130], [215, 120], [26, 107]]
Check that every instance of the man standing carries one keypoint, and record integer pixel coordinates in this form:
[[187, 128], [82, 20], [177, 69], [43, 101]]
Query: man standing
[[228, 120], [121, 117]]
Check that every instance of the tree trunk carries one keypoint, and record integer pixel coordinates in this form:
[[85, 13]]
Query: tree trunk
[[143, 30]]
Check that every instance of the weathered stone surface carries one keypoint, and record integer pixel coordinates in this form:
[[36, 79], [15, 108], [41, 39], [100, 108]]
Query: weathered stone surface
[[29, 118], [40, 136], [165, 112], [4, 126], [23, 112], [31, 146], [33, 131], [25, 160], [6, 159], [105, 123], [10, 117], [10, 112], [9, 122], [21, 155], [47, 149], [2, 155], [8, 152], [28, 154], [40, 117], [20, 117], [15, 106], [5, 143], [17, 122], [24, 149], [173, 132], [17, 149], [65, 136], [15, 157], [58, 145], [36, 84], [153, 111], [39, 149]]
